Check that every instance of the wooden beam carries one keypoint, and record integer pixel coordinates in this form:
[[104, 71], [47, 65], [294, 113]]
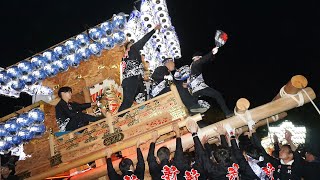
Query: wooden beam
[[295, 84], [242, 105]]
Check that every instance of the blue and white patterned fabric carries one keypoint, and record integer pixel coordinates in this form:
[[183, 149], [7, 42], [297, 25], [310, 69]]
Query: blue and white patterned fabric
[[196, 83]]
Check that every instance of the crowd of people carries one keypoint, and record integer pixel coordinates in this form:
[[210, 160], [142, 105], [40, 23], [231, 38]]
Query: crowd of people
[[238, 155]]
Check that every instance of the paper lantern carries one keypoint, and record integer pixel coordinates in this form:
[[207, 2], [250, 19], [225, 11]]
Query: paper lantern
[[25, 135], [50, 56], [4, 78], [83, 54], [23, 120], [39, 61], [12, 126], [38, 129], [119, 37], [72, 46], [119, 21], [60, 52], [107, 28], [36, 115], [63, 65], [51, 70], [17, 84], [14, 72], [25, 67], [3, 131], [4, 145], [28, 79], [107, 42], [95, 34], [83, 40], [40, 74], [95, 48]]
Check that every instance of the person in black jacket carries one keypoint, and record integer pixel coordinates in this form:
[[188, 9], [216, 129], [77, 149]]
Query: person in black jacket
[[161, 167], [248, 160], [311, 165], [69, 115], [201, 155], [197, 85], [126, 166], [7, 173], [133, 70], [289, 164], [161, 78], [214, 170], [191, 102], [275, 152]]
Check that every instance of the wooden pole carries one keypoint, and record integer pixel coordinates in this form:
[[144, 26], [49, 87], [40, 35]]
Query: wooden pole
[[242, 105], [295, 84], [51, 143]]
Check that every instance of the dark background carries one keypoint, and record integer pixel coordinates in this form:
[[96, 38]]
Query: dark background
[[269, 42]]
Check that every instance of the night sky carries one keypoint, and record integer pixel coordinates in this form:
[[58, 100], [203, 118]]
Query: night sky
[[269, 41]]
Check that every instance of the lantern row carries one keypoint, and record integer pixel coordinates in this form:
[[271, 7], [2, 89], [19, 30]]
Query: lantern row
[[164, 43], [21, 129], [27, 75]]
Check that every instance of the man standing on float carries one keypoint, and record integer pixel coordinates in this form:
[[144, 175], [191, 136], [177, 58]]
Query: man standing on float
[[196, 83], [133, 70]]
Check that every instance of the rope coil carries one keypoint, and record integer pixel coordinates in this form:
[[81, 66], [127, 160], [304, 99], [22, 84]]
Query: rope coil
[[245, 117], [314, 105], [300, 100]]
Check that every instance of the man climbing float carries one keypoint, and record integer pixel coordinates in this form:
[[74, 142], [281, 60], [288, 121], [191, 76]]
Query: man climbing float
[[162, 75], [132, 70], [196, 83]]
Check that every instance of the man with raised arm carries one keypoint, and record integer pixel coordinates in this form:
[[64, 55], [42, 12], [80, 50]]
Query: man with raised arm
[[163, 167], [197, 85], [288, 166], [126, 166], [133, 70]]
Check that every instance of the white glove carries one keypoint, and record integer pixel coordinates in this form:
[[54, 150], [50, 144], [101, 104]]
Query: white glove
[[177, 75], [230, 130], [168, 77], [215, 50], [251, 124]]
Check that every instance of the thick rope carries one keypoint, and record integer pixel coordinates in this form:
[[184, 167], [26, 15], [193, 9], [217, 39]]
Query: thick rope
[[245, 117], [314, 105], [300, 100]]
